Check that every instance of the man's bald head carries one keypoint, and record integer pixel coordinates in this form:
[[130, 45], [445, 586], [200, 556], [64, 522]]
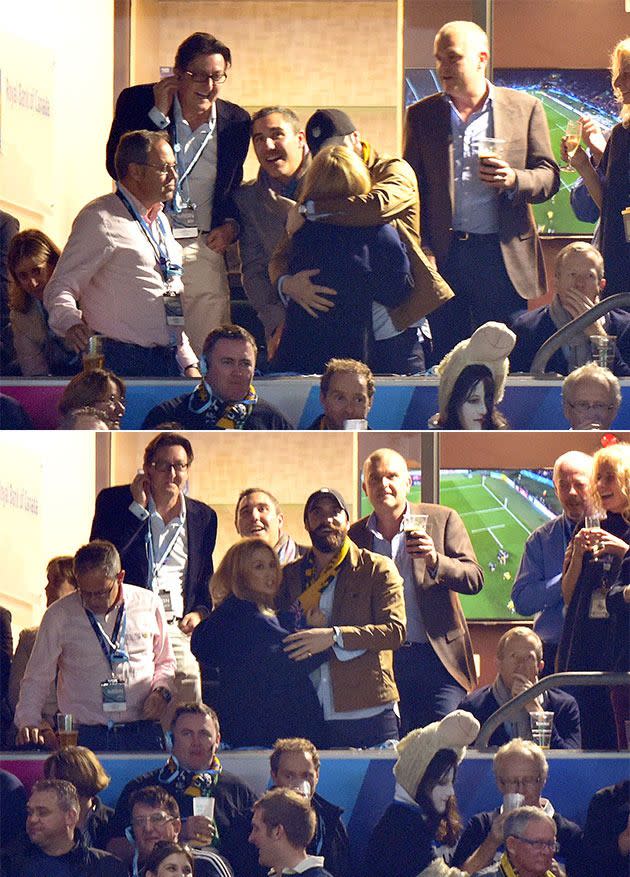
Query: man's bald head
[[461, 54], [386, 481], [473, 36], [571, 477]]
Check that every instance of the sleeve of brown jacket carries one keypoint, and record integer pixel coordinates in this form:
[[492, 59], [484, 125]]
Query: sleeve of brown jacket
[[458, 569]]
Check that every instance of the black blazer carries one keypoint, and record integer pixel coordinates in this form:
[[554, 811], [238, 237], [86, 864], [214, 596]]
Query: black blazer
[[132, 113], [114, 521]]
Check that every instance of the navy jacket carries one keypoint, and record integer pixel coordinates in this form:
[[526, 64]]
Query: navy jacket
[[232, 133], [114, 521], [533, 328], [262, 693], [566, 716], [262, 416]]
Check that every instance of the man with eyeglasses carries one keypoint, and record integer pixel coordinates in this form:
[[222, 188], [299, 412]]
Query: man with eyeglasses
[[165, 540], [530, 844], [520, 768], [591, 396], [108, 647], [154, 818], [119, 275], [579, 283], [210, 137]]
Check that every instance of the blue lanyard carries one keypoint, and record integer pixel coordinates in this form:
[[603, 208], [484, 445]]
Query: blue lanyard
[[168, 269], [114, 648], [184, 171], [156, 564]]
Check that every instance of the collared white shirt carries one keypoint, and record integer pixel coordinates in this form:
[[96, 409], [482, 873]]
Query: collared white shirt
[[304, 865], [171, 570]]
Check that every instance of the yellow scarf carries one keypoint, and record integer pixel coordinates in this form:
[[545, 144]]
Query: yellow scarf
[[309, 599], [509, 871]]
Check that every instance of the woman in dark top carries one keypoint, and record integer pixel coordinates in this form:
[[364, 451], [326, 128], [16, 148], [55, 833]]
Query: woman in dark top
[[262, 694], [362, 265], [471, 404], [596, 558]]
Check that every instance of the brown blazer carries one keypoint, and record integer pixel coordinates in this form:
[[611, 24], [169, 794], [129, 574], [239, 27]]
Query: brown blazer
[[369, 608], [440, 608], [520, 120]]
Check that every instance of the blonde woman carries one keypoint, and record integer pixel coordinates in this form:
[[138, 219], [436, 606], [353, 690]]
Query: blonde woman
[[597, 558], [362, 265], [608, 185], [262, 694]]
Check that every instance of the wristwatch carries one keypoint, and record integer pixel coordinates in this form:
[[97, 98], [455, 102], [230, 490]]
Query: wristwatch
[[164, 693]]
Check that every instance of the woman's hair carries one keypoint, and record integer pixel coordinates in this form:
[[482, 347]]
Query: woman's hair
[[232, 574], [619, 54], [617, 458], [162, 850], [335, 172], [467, 379], [25, 245], [61, 569], [446, 826], [79, 766], [87, 388]]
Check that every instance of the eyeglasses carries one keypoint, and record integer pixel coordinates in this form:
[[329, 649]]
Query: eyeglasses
[[162, 169], [202, 78], [163, 466], [599, 407], [539, 845], [520, 782], [155, 820], [96, 595]]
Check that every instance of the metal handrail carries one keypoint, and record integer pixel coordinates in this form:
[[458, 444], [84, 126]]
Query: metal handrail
[[555, 680], [547, 350]]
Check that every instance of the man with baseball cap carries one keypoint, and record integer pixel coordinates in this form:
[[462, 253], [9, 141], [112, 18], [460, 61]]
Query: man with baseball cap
[[352, 601], [399, 333]]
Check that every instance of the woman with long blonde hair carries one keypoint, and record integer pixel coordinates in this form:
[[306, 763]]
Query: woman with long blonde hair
[[598, 556], [262, 694], [363, 265]]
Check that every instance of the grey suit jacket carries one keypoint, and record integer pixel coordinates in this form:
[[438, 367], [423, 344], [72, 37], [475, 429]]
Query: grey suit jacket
[[458, 571], [520, 120]]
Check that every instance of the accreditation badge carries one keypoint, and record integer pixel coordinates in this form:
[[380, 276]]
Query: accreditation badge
[[113, 696]]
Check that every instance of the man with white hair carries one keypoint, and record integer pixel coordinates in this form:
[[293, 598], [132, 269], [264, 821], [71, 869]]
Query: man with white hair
[[591, 397], [520, 768], [530, 841], [475, 201], [537, 587]]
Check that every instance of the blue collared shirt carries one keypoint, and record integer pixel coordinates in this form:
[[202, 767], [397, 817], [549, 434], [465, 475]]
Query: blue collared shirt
[[476, 208]]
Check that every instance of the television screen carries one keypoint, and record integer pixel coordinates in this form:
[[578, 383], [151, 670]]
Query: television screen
[[499, 508], [565, 95]]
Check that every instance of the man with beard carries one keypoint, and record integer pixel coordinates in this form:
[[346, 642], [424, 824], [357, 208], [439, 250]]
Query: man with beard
[[353, 601]]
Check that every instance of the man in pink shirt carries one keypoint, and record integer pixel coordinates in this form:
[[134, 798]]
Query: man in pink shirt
[[108, 645], [120, 273]]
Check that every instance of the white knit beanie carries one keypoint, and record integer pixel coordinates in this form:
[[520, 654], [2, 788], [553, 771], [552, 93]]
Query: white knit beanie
[[456, 731], [489, 345]]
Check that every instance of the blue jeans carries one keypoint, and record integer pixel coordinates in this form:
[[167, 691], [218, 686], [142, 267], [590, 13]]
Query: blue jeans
[[142, 736], [132, 361], [427, 690], [361, 733]]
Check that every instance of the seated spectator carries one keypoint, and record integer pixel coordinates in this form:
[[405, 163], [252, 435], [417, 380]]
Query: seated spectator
[[519, 661], [155, 821], [346, 393], [579, 282], [520, 768], [472, 380], [193, 766], [530, 843], [79, 766], [422, 820], [258, 515], [606, 839], [31, 261], [13, 415], [591, 397], [362, 264], [295, 765], [61, 581], [83, 418], [225, 398], [54, 846], [283, 826], [262, 693], [169, 858], [12, 807], [98, 388]]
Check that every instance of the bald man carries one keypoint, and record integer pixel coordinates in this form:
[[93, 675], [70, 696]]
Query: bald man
[[434, 669], [537, 587], [476, 218]]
